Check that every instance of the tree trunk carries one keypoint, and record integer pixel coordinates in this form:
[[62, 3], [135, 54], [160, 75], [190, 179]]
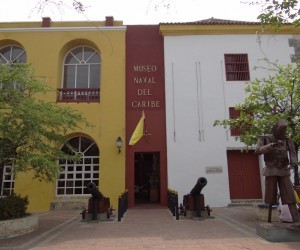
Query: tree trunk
[[296, 175]]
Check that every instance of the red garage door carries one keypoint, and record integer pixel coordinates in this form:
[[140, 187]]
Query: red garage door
[[244, 175]]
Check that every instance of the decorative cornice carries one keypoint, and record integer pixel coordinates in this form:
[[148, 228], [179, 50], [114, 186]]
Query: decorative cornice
[[71, 29]]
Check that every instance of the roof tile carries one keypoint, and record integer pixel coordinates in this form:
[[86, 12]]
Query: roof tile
[[216, 21]]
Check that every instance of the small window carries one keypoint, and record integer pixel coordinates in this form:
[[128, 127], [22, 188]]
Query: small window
[[6, 180], [233, 113], [237, 67]]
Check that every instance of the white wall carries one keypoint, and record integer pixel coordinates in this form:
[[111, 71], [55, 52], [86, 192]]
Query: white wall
[[197, 94]]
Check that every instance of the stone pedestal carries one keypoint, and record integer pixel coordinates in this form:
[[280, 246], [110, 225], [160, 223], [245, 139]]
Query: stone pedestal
[[262, 211], [277, 232], [69, 203]]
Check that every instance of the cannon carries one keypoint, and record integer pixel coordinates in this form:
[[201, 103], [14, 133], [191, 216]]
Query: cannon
[[194, 201], [93, 190], [98, 203], [201, 183]]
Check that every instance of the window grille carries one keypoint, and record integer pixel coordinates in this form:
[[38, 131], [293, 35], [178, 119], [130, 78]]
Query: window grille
[[7, 181], [233, 113], [76, 175], [237, 67]]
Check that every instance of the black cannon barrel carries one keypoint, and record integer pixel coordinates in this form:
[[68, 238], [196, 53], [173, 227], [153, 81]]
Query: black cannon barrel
[[93, 190], [201, 183]]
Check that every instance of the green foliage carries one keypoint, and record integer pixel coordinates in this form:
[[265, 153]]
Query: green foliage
[[277, 96], [277, 13], [32, 129], [60, 5], [268, 99], [13, 206]]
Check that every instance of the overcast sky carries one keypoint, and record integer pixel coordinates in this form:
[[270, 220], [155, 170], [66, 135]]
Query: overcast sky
[[133, 11]]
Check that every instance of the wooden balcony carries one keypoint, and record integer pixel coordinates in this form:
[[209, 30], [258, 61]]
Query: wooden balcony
[[78, 95]]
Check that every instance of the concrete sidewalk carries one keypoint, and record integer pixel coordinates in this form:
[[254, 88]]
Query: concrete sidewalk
[[154, 228]]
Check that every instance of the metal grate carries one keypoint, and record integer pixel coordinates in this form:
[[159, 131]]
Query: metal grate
[[237, 67], [233, 113], [75, 176]]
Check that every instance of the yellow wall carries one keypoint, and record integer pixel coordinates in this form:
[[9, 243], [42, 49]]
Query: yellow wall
[[45, 49]]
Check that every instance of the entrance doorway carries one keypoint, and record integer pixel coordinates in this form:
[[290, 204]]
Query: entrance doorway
[[146, 177]]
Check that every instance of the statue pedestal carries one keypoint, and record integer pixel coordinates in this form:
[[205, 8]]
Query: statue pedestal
[[262, 213], [277, 232]]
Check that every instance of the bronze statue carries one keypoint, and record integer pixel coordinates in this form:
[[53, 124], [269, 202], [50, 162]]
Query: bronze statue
[[279, 155]]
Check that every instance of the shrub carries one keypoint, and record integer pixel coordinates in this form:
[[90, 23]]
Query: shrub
[[13, 206]]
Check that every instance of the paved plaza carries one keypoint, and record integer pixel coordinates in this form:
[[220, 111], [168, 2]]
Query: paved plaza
[[148, 228]]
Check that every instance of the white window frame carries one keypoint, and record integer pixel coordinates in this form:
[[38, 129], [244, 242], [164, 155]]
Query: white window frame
[[13, 59], [8, 181], [80, 62], [69, 183]]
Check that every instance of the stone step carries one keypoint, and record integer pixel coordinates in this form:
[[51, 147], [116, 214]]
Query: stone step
[[68, 205], [245, 202]]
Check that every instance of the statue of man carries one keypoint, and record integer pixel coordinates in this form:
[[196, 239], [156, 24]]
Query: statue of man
[[279, 153]]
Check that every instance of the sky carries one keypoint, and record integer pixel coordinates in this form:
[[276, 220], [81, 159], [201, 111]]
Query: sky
[[132, 11]]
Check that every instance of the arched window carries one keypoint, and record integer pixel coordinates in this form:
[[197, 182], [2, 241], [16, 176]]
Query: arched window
[[76, 175], [81, 75], [9, 54], [12, 54]]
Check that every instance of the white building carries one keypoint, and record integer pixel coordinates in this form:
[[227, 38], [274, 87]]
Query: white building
[[201, 88]]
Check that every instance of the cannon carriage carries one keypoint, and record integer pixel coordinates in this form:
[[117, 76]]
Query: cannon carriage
[[98, 205], [194, 203]]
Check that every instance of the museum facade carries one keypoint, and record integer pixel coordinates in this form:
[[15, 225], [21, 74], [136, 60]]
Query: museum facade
[[178, 77]]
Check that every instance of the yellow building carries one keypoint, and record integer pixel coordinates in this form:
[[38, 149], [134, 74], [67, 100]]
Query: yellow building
[[85, 62]]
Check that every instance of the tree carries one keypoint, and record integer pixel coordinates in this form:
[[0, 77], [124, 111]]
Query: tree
[[59, 5], [277, 96], [276, 13], [32, 129]]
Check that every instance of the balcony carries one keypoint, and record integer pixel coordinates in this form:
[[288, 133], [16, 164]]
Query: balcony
[[78, 95]]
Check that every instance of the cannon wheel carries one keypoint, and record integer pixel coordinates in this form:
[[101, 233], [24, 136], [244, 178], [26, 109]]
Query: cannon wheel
[[108, 213], [83, 213], [208, 210], [184, 211]]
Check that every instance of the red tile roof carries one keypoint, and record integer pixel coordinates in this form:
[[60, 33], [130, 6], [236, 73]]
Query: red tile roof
[[216, 21]]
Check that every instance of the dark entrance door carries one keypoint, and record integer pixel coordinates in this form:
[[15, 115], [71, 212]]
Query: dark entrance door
[[146, 177], [244, 175]]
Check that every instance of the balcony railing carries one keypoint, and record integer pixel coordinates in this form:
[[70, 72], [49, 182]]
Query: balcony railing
[[78, 95]]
